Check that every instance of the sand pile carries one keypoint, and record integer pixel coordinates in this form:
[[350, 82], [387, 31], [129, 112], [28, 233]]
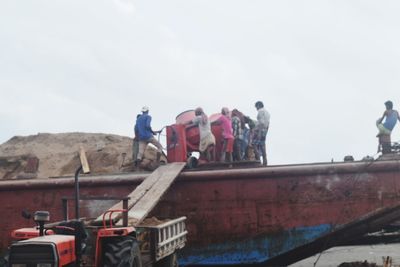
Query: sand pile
[[48, 155]]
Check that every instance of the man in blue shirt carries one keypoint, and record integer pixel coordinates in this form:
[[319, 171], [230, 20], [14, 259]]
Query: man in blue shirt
[[135, 144], [385, 128], [391, 116], [145, 134]]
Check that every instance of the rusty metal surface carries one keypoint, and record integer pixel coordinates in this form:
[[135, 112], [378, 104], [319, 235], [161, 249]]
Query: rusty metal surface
[[371, 222], [67, 182], [262, 212]]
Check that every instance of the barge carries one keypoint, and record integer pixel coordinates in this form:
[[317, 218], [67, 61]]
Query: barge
[[235, 216]]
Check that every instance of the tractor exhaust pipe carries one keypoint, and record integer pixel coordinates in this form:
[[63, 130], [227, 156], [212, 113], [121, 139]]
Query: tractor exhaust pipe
[[84, 167], [77, 192]]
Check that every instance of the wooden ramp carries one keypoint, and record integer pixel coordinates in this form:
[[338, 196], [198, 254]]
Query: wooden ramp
[[146, 195]]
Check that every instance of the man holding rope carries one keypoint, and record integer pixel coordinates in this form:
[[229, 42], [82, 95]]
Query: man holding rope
[[143, 128]]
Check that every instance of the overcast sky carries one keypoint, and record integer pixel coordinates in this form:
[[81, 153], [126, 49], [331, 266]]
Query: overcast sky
[[322, 68]]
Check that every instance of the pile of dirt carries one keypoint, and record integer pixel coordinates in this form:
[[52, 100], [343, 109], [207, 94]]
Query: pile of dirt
[[49, 155]]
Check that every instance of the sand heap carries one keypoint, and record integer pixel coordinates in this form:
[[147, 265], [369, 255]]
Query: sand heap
[[49, 155]]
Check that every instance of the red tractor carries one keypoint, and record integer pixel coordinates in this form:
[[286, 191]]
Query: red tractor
[[86, 243], [72, 243]]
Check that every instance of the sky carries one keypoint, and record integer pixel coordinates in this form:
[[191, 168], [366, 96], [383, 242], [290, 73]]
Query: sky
[[322, 68]]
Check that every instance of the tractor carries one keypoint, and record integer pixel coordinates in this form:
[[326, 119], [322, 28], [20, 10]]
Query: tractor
[[82, 242]]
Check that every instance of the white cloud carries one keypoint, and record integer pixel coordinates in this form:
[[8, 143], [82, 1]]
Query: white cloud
[[322, 69], [125, 6]]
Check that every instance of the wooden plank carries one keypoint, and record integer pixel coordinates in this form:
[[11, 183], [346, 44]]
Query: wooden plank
[[139, 211], [148, 193], [84, 162]]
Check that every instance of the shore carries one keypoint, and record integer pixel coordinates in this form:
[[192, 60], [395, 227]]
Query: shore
[[337, 255]]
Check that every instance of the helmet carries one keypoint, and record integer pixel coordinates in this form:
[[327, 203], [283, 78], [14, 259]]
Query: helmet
[[145, 109]]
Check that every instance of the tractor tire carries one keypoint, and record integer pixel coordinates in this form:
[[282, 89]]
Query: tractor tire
[[122, 252], [4, 259], [169, 261]]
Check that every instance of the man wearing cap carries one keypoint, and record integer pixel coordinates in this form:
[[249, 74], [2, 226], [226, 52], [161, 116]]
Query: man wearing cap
[[135, 144], [143, 128]]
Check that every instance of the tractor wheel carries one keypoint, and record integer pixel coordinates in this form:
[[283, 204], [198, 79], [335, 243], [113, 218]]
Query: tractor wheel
[[4, 259], [169, 261], [122, 252]]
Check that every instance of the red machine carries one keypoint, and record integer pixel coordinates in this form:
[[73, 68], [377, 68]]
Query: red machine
[[71, 243], [183, 138]]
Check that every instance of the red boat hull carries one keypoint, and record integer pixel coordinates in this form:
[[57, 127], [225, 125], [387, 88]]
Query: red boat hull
[[235, 216]]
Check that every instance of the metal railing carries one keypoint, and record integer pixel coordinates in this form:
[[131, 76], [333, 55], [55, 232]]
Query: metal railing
[[170, 236], [124, 209]]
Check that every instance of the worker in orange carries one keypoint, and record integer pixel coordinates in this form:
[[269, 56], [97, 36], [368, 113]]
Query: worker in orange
[[145, 132], [227, 134]]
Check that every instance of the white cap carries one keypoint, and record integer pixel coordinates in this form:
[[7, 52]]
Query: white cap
[[145, 109]]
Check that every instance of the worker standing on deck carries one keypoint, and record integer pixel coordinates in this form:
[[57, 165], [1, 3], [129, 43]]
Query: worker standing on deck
[[207, 139], [227, 134], [385, 128], [238, 127], [135, 144], [247, 148], [260, 132], [391, 116], [145, 132]]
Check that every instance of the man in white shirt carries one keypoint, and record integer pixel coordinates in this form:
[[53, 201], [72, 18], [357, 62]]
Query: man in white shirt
[[260, 132]]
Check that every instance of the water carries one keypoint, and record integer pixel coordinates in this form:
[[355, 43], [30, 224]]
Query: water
[[371, 253]]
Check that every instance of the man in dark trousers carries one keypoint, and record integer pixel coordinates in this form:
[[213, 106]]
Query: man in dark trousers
[[260, 132], [135, 144], [145, 134]]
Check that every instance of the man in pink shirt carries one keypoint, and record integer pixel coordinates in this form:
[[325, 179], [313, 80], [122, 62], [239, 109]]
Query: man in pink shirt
[[227, 134]]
